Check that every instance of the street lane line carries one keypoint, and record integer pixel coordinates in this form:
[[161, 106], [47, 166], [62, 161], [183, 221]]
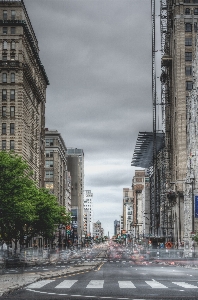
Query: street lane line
[[66, 284], [95, 284], [126, 285], [186, 285], [38, 284], [156, 285]]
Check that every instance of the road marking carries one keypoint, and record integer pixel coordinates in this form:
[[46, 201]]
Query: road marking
[[186, 285], [126, 285], [39, 284], [156, 285], [66, 284], [95, 284]]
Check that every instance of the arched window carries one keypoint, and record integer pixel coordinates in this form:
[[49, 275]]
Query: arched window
[[187, 11], [5, 45]]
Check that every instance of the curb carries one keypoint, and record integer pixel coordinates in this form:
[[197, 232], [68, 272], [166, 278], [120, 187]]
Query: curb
[[40, 276]]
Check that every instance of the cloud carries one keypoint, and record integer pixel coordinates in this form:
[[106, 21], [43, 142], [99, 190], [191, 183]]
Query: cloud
[[97, 55]]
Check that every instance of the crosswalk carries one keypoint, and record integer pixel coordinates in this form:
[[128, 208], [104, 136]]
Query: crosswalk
[[100, 284]]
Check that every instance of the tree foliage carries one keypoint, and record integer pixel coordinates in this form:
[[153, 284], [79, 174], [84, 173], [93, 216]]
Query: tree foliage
[[25, 210]]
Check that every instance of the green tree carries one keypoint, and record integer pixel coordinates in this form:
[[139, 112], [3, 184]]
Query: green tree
[[16, 190], [25, 210]]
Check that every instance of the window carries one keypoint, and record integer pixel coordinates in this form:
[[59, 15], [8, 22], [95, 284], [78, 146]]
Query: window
[[4, 57], [4, 77], [5, 45], [11, 145], [13, 45], [49, 142], [49, 185], [3, 145], [188, 42], [13, 14], [189, 85], [49, 163], [49, 174], [4, 109], [12, 94], [12, 111], [195, 1], [3, 128], [196, 11], [4, 94], [13, 30], [12, 77], [188, 27], [195, 27], [12, 57], [187, 11], [5, 15], [11, 128], [5, 30], [188, 70], [188, 56], [49, 154], [186, 1]]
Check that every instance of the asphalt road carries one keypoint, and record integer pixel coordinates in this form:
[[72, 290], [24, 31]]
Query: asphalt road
[[117, 278]]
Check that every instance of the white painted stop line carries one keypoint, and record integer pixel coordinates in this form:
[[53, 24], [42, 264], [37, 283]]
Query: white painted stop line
[[95, 284], [126, 285], [156, 285], [66, 284]]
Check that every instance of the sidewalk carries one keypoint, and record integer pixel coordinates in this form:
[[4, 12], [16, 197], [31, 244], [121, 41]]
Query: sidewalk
[[11, 282]]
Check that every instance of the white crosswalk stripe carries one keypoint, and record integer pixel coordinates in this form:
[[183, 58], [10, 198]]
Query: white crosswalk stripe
[[66, 284], [126, 285], [186, 285], [95, 284], [99, 284], [39, 284], [156, 285]]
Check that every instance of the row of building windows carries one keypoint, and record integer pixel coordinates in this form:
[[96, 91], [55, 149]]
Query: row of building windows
[[5, 94], [49, 163], [12, 45], [12, 15], [12, 111], [49, 174], [188, 11], [4, 145], [48, 153], [5, 77], [4, 128], [11, 30], [49, 142], [5, 57]]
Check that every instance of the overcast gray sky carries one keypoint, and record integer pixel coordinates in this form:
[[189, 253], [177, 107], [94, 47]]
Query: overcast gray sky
[[97, 55]]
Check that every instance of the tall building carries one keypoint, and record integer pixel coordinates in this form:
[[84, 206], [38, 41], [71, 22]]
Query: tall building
[[116, 227], [179, 53], [23, 83], [75, 165], [127, 208], [56, 165], [141, 204], [88, 212], [98, 231]]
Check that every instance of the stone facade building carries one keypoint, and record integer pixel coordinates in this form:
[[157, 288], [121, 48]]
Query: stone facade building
[[75, 165], [23, 83], [180, 50], [56, 165]]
